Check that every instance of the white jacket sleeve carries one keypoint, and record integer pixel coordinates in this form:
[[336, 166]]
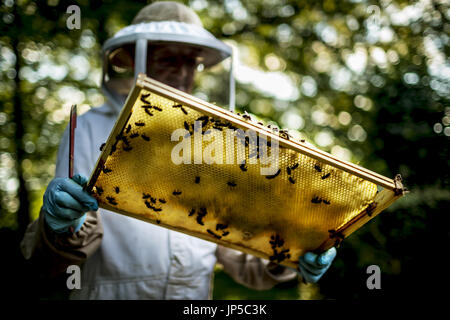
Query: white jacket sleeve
[[251, 271]]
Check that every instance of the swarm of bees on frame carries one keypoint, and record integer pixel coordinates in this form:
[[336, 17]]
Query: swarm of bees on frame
[[131, 132]]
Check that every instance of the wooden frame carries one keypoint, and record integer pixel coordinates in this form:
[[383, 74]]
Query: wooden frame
[[392, 189]]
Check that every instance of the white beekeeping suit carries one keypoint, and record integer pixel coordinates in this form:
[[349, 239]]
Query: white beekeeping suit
[[122, 257]]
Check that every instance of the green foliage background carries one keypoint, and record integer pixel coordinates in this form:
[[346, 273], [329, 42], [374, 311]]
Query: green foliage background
[[371, 88]]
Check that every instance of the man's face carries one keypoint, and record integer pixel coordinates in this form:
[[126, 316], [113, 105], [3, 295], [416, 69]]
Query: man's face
[[173, 65]]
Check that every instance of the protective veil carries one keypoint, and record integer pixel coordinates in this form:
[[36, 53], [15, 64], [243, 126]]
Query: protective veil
[[131, 50]]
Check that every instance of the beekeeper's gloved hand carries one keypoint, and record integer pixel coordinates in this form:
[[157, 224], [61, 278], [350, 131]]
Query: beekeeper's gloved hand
[[312, 266], [66, 204]]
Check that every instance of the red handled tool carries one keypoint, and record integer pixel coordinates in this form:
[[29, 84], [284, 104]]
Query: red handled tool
[[73, 125]]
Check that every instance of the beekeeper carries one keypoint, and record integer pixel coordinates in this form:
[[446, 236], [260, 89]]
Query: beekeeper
[[122, 257]]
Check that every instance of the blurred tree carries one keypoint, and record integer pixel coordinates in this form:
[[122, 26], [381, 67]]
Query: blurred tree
[[367, 81]]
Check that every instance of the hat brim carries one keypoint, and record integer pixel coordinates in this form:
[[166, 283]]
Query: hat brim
[[212, 50]]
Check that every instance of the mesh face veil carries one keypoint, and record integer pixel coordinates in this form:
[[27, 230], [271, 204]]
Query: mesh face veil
[[168, 51]]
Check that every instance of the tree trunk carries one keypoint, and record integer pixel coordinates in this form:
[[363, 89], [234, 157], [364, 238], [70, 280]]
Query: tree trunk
[[23, 212]]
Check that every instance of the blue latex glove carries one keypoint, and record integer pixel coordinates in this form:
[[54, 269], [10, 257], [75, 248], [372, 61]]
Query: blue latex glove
[[312, 266], [66, 204]]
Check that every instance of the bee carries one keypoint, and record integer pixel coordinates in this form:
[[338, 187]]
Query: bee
[[278, 256], [202, 118], [231, 184], [186, 126], [145, 137], [212, 233], [197, 180], [370, 208], [119, 136], [157, 108], [245, 141], [284, 134], [113, 149], [117, 189], [202, 212], [125, 141], [221, 226], [269, 143], [291, 180], [158, 221], [218, 128], [302, 140], [288, 170], [111, 200], [127, 148], [181, 108], [246, 116], [162, 200], [144, 97], [106, 170], [199, 220], [99, 190], [276, 241], [134, 135], [316, 200], [326, 201], [176, 193], [128, 129], [191, 213], [147, 111], [153, 200], [243, 167], [259, 122], [318, 169], [225, 233], [102, 146], [140, 124], [275, 175], [148, 204], [221, 124], [326, 176], [145, 196], [295, 166]]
